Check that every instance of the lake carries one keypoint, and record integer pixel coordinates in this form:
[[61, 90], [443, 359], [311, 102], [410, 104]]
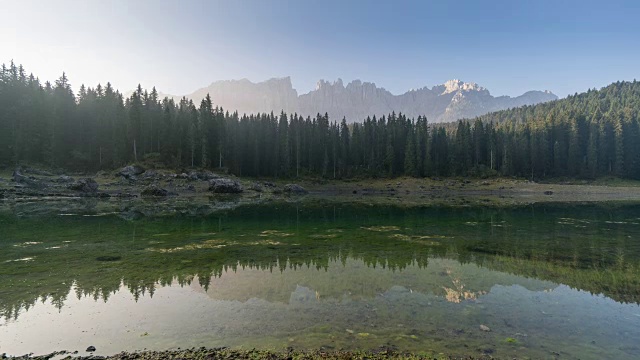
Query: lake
[[547, 281]]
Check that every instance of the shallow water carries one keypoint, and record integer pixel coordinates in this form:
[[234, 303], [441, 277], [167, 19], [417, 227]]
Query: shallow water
[[548, 281]]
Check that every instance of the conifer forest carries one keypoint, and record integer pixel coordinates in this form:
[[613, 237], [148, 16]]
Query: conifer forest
[[585, 135]]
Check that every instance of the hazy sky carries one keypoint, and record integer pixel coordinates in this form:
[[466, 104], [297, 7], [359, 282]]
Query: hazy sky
[[508, 46]]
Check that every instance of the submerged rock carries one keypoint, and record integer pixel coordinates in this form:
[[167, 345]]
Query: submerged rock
[[295, 189], [485, 328], [86, 185], [131, 171], [153, 190], [225, 186]]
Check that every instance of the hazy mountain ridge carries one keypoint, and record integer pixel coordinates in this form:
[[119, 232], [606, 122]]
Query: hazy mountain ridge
[[450, 101]]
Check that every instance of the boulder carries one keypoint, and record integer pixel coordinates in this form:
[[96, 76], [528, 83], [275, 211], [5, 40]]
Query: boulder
[[86, 185], [225, 186], [63, 179], [295, 189], [18, 178], [151, 175], [204, 175], [34, 171], [131, 171], [256, 187], [153, 190]]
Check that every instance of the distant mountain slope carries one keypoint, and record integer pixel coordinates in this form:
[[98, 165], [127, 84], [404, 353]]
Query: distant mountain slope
[[447, 102]]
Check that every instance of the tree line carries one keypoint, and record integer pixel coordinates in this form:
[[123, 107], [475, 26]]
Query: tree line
[[586, 135]]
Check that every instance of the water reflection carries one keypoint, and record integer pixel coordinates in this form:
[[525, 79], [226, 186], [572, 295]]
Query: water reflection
[[334, 277]]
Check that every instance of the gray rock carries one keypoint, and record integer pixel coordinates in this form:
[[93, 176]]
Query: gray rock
[[225, 186], [256, 187], [131, 171], [295, 189], [63, 179], [34, 171], [204, 175], [151, 175], [86, 185], [153, 190], [192, 176], [18, 178], [485, 328], [208, 175]]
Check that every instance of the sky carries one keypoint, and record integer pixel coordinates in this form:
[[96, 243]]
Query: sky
[[509, 47]]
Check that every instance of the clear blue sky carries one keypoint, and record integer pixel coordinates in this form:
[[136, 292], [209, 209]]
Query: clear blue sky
[[507, 46]]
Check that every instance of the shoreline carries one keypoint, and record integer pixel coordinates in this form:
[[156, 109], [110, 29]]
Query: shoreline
[[41, 185], [224, 353]]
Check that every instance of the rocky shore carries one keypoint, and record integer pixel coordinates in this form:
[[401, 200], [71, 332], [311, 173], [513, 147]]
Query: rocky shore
[[134, 191], [222, 353]]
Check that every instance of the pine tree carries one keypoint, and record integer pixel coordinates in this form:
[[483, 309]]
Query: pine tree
[[389, 159], [206, 125], [135, 120], [410, 165], [345, 145], [283, 145]]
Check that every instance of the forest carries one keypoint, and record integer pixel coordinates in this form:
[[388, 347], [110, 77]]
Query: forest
[[587, 135]]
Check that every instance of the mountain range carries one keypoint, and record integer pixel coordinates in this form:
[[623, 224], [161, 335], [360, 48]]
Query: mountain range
[[450, 101]]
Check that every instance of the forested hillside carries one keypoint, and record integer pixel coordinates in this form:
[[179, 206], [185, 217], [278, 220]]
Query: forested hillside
[[586, 135]]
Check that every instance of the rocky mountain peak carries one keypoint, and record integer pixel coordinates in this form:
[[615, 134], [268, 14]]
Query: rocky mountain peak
[[455, 99], [458, 85], [323, 84]]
